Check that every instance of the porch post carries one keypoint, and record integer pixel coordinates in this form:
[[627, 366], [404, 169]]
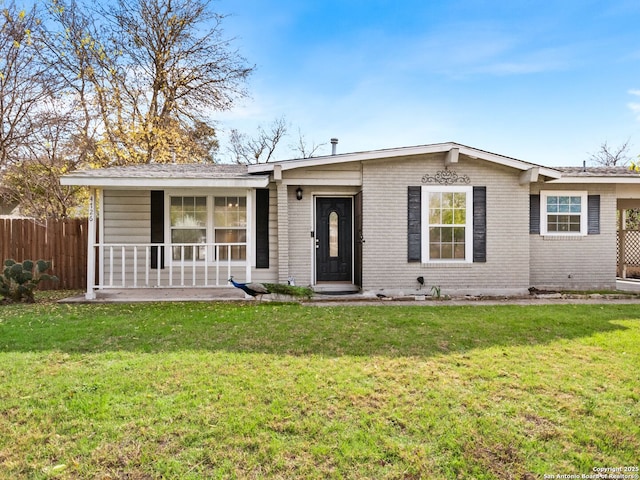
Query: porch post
[[283, 233], [91, 248], [622, 234], [251, 198]]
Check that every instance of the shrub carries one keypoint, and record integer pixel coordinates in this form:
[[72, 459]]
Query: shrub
[[19, 280]]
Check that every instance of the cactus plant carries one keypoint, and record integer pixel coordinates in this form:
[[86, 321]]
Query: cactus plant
[[19, 280]]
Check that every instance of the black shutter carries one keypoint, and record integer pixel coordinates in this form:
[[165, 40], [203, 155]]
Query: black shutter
[[534, 214], [479, 224], [593, 214], [157, 226], [414, 247], [262, 228]]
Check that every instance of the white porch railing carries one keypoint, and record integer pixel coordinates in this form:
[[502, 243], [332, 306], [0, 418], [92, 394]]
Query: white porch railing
[[149, 265]]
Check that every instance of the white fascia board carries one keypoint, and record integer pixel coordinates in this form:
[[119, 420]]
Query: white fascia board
[[509, 162], [353, 157], [141, 182], [405, 152]]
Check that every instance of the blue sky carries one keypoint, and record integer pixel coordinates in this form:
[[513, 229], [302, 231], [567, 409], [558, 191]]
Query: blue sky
[[543, 81]]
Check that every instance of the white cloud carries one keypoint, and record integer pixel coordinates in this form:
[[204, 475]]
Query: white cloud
[[635, 108]]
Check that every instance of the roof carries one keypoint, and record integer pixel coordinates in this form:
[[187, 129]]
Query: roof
[[598, 171], [168, 175], [614, 174], [405, 152], [257, 176]]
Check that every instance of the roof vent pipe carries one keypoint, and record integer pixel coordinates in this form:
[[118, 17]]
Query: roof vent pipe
[[334, 146], [584, 165]]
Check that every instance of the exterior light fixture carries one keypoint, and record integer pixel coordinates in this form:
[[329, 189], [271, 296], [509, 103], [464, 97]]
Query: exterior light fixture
[[299, 193]]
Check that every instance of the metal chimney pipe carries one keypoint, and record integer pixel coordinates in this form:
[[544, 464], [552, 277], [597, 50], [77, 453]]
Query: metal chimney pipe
[[334, 146]]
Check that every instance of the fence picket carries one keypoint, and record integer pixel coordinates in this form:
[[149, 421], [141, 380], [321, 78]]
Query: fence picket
[[61, 242]]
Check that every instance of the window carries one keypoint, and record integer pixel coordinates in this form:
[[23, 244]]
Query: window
[[230, 225], [333, 234], [190, 223], [447, 224], [563, 213]]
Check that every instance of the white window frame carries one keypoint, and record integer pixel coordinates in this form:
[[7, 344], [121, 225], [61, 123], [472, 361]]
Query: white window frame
[[206, 228], [210, 226], [215, 228], [468, 233], [584, 207]]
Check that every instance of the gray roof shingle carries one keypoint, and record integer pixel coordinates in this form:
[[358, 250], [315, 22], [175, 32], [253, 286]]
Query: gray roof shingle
[[169, 170], [597, 172]]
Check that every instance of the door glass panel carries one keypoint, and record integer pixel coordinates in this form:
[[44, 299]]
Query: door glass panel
[[333, 234]]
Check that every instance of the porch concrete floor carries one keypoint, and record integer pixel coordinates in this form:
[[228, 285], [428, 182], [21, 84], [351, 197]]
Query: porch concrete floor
[[628, 285], [136, 295]]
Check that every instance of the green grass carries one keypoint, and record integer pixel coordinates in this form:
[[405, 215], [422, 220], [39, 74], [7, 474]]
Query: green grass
[[209, 390]]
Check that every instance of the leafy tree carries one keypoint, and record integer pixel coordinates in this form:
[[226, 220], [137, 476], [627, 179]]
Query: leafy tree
[[91, 85], [152, 70]]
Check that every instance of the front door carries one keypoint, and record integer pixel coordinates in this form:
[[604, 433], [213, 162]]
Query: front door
[[334, 239]]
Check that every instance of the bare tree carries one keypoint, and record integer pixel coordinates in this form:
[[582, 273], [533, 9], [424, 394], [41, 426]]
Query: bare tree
[[259, 148], [24, 80], [305, 150], [609, 156]]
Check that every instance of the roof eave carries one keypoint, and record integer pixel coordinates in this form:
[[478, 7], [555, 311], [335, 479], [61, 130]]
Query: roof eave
[[404, 152], [258, 181]]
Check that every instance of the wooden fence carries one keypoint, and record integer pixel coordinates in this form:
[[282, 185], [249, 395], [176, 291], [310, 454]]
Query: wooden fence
[[62, 242]]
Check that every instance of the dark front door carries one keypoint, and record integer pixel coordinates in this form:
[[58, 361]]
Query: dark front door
[[334, 239]]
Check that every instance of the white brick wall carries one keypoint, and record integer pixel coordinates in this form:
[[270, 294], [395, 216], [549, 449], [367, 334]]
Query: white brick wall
[[516, 260], [506, 270], [586, 262]]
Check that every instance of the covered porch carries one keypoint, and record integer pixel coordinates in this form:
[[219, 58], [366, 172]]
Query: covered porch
[[171, 226], [628, 241]]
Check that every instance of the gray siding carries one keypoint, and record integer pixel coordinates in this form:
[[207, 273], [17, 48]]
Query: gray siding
[[127, 216], [127, 220]]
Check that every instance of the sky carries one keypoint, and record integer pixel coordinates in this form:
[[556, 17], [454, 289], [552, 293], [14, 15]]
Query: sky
[[547, 82]]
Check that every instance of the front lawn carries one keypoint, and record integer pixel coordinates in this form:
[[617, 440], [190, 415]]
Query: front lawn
[[209, 390]]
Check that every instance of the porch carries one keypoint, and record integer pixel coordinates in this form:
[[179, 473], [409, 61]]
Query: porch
[[159, 267], [628, 241]]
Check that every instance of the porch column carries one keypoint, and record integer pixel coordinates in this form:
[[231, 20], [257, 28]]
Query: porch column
[[283, 232], [622, 234], [250, 248], [91, 249]]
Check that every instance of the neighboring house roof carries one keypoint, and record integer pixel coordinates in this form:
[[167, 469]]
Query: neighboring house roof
[[405, 152], [168, 175], [7, 208], [598, 175]]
